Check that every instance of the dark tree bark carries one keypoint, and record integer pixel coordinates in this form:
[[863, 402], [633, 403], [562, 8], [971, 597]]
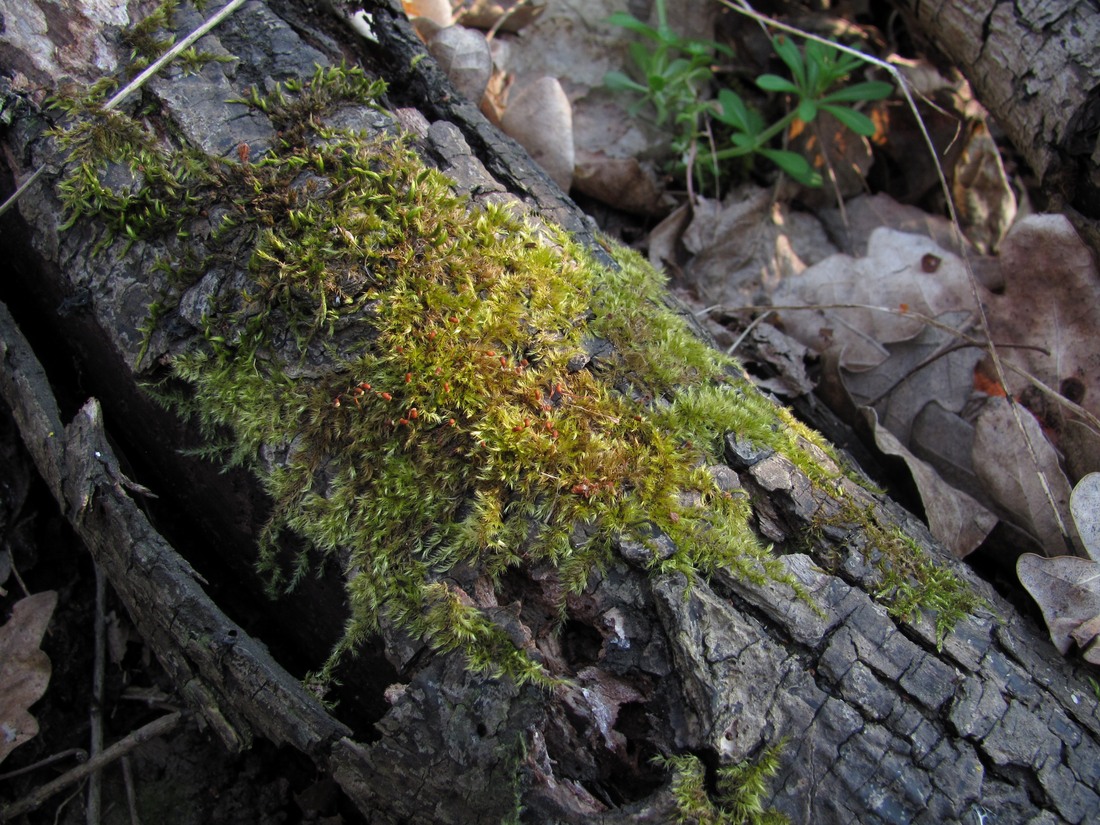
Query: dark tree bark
[[883, 722], [1035, 67]]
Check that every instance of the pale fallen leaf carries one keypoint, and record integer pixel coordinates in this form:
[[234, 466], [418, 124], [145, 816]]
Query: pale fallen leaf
[[464, 55], [540, 118], [24, 668], [437, 11], [1050, 309], [1005, 466], [1067, 590], [1084, 504], [747, 244], [903, 274], [507, 16], [955, 519]]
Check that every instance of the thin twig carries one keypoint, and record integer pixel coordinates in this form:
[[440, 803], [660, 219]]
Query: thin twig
[[79, 754], [131, 796], [31, 801], [138, 82], [99, 665], [752, 325]]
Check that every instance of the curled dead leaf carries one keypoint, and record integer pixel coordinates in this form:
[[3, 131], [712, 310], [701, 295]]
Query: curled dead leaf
[[24, 668], [1067, 590], [954, 518], [1004, 463], [540, 118]]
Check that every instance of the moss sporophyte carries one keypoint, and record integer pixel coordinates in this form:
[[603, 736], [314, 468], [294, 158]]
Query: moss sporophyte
[[411, 378]]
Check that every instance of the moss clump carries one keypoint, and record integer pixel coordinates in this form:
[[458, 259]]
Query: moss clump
[[909, 582], [422, 385], [738, 794]]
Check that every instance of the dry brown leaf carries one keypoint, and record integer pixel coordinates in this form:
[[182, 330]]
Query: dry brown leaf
[[508, 16], [955, 519], [464, 55], [866, 213], [1051, 303], [1004, 464], [625, 183], [849, 155], [929, 368], [24, 668], [945, 439], [1067, 590], [906, 273], [540, 118], [747, 244], [983, 197], [1084, 504]]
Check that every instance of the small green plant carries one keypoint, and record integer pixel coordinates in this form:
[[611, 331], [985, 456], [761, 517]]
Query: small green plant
[[815, 70], [677, 73], [739, 790], [676, 70]]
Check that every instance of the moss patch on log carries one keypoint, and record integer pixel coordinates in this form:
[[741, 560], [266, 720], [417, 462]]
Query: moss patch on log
[[423, 385]]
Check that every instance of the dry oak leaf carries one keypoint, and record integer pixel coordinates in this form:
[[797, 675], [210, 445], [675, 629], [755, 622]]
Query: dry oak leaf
[[954, 518], [1009, 475], [1067, 589], [901, 272], [24, 668], [1051, 303]]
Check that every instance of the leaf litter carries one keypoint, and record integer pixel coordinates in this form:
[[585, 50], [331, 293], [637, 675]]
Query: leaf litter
[[24, 668]]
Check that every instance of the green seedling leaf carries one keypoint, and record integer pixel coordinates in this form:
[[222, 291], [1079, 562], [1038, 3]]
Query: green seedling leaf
[[736, 114], [868, 90], [794, 165], [775, 83], [807, 110], [743, 141], [856, 121], [619, 82], [631, 23], [788, 52]]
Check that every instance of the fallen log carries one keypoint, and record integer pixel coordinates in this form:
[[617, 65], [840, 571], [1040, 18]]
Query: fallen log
[[608, 640], [1034, 67]]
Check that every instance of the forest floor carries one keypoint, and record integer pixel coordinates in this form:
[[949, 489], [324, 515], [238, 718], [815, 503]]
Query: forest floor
[[865, 299]]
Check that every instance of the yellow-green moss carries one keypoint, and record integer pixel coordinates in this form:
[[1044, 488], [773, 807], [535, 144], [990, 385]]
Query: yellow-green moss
[[420, 383], [737, 797]]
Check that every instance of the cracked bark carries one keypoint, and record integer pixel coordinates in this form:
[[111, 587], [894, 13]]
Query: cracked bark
[[1036, 68], [883, 724]]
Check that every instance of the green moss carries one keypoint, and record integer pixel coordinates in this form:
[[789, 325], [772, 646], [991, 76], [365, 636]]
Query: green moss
[[147, 39], [422, 384], [737, 796], [910, 582]]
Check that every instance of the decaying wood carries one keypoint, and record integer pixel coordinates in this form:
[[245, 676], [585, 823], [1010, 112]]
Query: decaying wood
[[882, 723], [1036, 68]]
